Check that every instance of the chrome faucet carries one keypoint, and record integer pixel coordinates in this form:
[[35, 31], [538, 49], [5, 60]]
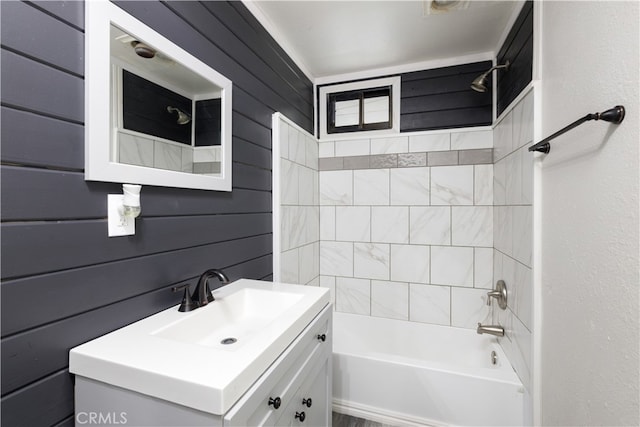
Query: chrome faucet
[[202, 295], [500, 294], [496, 330]]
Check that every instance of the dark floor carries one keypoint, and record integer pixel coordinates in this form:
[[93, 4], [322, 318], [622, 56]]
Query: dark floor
[[341, 420]]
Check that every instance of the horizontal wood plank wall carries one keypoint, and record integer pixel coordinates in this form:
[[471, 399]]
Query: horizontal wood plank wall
[[518, 50], [442, 98], [64, 282]]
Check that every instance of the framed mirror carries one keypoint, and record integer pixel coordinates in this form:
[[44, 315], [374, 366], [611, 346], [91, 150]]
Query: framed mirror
[[154, 114]]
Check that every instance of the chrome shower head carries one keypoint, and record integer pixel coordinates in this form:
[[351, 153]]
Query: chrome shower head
[[479, 84], [183, 118]]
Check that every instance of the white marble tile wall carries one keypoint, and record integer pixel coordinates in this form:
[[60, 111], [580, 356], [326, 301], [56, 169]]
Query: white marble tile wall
[[299, 206], [512, 232], [141, 151], [411, 243]]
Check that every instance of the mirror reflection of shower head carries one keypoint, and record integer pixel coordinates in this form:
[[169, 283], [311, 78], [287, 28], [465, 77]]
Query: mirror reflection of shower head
[[183, 118], [143, 50], [479, 84]]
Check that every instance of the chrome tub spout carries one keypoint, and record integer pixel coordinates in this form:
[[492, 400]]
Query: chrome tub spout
[[496, 330]]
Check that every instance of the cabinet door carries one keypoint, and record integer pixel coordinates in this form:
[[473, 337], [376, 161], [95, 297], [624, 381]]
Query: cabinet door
[[314, 398], [311, 404], [284, 379]]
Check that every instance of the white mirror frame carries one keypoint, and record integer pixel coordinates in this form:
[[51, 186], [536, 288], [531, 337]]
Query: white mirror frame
[[99, 15]]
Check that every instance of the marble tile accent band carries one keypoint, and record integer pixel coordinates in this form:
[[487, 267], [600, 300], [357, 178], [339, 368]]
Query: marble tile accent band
[[482, 156]]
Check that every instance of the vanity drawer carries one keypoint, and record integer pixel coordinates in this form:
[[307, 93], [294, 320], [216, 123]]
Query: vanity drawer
[[283, 378]]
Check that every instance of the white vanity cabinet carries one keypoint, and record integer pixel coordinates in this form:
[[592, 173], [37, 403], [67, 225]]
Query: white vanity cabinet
[[311, 404], [298, 381], [303, 371]]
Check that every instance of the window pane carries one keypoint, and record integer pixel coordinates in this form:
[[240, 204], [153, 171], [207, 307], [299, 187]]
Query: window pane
[[376, 110], [347, 113]]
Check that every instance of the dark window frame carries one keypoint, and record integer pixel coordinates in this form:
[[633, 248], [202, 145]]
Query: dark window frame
[[361, 95]]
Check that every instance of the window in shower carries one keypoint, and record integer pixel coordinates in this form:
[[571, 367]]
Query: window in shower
[[365, 106]]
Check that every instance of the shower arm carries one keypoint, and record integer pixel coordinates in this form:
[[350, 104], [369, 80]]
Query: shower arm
[[496, 67], [613, 115]]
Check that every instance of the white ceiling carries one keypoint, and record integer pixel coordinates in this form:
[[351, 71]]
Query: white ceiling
[[330, 38]]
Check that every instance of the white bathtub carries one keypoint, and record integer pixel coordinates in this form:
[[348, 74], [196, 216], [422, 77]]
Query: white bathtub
[[407, 374]]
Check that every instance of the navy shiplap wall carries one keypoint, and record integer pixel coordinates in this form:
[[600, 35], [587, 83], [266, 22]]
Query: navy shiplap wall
[[64, 282], [518, 50], [442, 98]]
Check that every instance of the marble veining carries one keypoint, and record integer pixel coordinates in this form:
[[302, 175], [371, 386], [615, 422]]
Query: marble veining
[[469, 306], [389, 224], [502, 137], [483, 268], [430, 225], [523, 122], [289, 261], [308, 264], [353, 295], [410, 263], [452, 185], [305, 185], [371, 260], [472, 226], [390, 299], [434, 142], [430, 304], [371, 187], [336, 258], [299, 206], [472, 140], [483, 185], [353, 223], [409, 186], [167, 156], [187, 160], [357, 147], [327, 223], [296, 146], [135, 150], [398, 144], [288, 182], [452, 265], [336, 188]]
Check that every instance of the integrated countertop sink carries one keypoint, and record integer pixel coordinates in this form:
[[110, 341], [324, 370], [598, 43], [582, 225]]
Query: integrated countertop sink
[[231, 321], [207, 358]]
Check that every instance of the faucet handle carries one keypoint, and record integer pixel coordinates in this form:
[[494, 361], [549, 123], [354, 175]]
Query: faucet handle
[[187, 303], [500, 294]]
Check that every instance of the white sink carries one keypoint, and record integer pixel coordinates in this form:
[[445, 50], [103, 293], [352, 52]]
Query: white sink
[[234, 319], [181, 357]]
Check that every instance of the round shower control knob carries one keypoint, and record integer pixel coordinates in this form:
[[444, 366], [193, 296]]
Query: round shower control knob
[[306, 402], [322, 337], [275, 402], [300, 416]]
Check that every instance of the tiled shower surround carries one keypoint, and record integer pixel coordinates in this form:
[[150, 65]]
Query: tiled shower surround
[[406, 226], [299, 210], [513, 228], [416, 227]]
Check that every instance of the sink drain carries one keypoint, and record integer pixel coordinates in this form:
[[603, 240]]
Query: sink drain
[[228, 341]]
